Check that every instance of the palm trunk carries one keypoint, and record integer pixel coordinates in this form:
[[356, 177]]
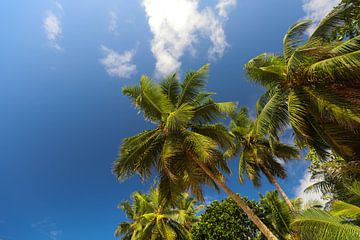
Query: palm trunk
[[252, 216], [273, 180]]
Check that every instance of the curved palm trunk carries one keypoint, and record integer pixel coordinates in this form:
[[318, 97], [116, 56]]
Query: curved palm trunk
[[248, 211], [273, 180]]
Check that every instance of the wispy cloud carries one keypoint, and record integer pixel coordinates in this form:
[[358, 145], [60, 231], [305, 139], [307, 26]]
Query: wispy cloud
[[177, 25], [47, 228], [318, 9], [118, 65], [53, 27], [113, 22], [305, 182]]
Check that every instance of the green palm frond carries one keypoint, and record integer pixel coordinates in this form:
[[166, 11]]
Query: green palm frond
[[348, 46], [325, 28], [257, 70], [294, 37], [343, 209], [132, 153], [211, 111], [302, 125], [336, 68], [327, 103], [284, 151], [321, 225], [179, 118], [171, 87], [217, 132], [193, 84], [154, 103], [273, 116]]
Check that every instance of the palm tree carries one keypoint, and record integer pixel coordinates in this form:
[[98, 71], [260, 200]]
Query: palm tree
[[151, 218], [186, 144], [341, 222], [259, 153], [314, 85]]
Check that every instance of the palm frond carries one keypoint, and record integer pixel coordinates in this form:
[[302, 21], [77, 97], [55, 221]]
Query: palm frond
[[320, 225], [193, 84], [217, 132], [211, 111], [343, 209], [273, 117], [258, 69], [138, 154], [294, 37], [326, 27], [171, 87]]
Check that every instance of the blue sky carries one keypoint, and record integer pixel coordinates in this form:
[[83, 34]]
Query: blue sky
[[63, 116]]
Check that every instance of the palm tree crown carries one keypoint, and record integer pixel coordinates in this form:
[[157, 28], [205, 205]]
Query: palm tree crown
[[259, 153], [151, 218], [314, 85], [184, 134]]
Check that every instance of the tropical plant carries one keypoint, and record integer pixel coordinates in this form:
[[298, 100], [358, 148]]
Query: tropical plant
[[259, 153], [278, 215], [186, 144], [341, 222], [151, 218], [351, 26], [332, 175], [314, 85], [224, 220]]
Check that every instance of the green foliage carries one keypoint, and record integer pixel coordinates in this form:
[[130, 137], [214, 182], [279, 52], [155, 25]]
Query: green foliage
[[223, 220], [151, 218], [321, 225], [186, 131], [351, 25], [314, 86], [341, 221], [258, 152]]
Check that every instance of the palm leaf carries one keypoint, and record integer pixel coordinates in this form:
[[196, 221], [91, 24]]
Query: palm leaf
[[320, 225], [193, 84], [294, 37]]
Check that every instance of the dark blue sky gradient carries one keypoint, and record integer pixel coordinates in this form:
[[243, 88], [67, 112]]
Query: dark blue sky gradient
[[63, 117]]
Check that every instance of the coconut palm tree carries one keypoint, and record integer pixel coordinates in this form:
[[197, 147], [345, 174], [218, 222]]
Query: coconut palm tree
[[185, 147], [151, 218], [259, 153], [314, 85]]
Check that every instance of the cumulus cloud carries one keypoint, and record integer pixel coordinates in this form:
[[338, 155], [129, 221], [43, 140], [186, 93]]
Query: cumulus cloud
[[318, 9], [118, 65], [53, 27], [305, 182], [113, 23], [176, 26]]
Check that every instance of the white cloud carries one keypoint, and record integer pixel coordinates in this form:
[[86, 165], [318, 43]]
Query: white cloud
[[118, 65], [318, 9], [176, 26], [113, 23], [223, 7], [305, 182], [53, 27], [47, 228]]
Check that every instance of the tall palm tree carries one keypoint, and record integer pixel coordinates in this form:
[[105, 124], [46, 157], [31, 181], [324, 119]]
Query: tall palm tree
[[259, 153], [151, 218], [186, 144], [315, 85]]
